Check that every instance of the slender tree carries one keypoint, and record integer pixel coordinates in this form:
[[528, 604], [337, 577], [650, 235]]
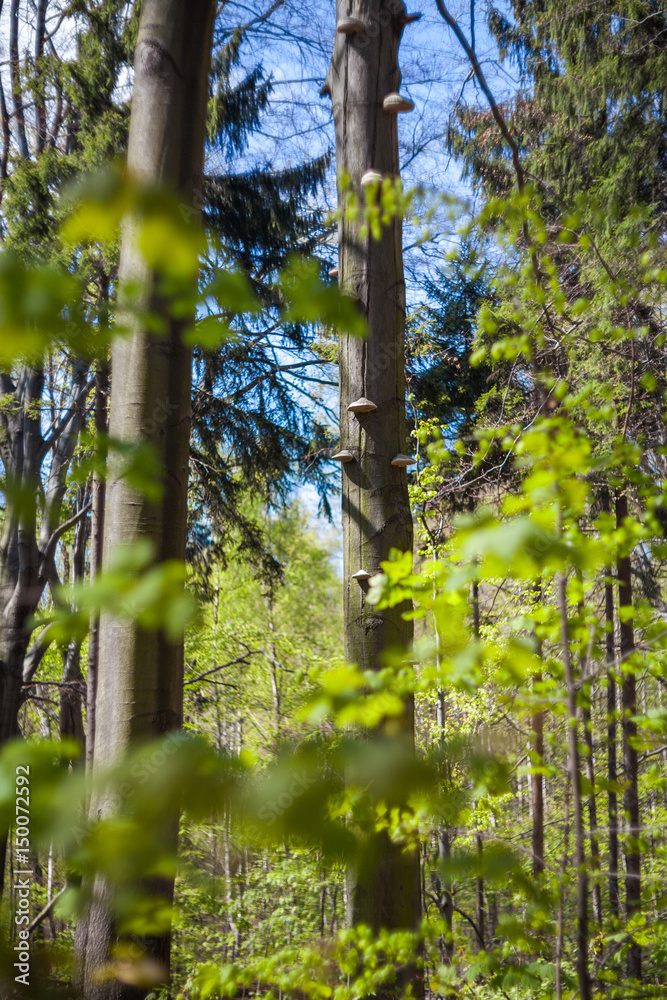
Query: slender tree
[[629, 729], [536, 777], [574, 769], [140, 675]]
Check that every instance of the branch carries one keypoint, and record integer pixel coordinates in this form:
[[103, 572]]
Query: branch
[[47, 909], [495, 110], [34, 656], [56, 430], [223, 666], [461, 913], [268, 374], [79, 685], [472, 923], [261, 18], [60, 531], [507, 136]]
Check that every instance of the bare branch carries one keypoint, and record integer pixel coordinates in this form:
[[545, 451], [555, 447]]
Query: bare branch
[[223, 666]]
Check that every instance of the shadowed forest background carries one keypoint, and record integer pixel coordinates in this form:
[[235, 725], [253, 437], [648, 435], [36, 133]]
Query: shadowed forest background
[[332, 499]]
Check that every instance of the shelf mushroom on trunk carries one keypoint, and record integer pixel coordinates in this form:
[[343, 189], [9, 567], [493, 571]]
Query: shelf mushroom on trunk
[[350, 26], [361, 405], [397, 104], [401, 461]]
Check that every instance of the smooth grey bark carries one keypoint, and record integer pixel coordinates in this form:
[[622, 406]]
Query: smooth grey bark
[[384, 891], [140, 674]]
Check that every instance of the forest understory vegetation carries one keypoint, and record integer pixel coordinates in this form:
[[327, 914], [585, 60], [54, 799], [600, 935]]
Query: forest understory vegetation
[[415, 749]]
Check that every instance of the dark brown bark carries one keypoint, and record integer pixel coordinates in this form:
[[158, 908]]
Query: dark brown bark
[[630, 765], [612, 774], [479, 843], [15, 75], [596, 892], [445, 899], [536, 778], [537, 788], [95, 557], [480, 910], [40, 96], [385, 889], [574, 769], [6, 139], [72, 690], [560, 929]]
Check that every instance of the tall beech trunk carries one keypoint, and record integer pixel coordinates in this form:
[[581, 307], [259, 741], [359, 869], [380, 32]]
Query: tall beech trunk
[[629, 701], [385, 891], [140, 678]]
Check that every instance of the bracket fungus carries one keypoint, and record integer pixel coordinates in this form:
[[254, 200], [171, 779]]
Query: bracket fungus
[[371, 177], [350, 26], [333, 273], [342, 456], [395, 104], [361, 575], [361, 405], [402, 460]]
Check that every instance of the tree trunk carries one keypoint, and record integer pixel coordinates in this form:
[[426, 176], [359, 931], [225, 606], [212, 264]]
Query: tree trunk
[[480, 910], [629, 700], [587, 718], [480, 915], [15, 76], [581, 959], [70, 694], [376, 508], [612, 775], [139, 685], [537, 778], [96, 536], [596, 894]]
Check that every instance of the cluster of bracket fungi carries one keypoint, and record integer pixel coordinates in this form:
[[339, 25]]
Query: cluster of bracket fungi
[[393, 103]]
